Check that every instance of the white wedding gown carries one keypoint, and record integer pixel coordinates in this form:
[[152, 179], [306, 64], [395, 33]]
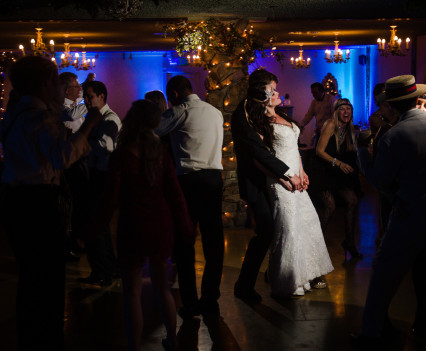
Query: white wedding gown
[[298, 252]]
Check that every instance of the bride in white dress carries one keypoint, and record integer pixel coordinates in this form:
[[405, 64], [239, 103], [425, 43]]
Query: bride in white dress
[[298, 253]]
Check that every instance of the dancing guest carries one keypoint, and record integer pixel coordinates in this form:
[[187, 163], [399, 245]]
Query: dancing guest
[[103, 140], [336, 172], [398, 171], [249, 148], [34, 212], [158, 98], [196, 134], [141, 180], [321, 108]]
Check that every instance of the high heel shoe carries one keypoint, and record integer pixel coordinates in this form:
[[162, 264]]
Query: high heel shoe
[[352, 250]]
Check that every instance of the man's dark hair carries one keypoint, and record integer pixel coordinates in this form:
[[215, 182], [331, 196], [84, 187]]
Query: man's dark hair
[[261, 77], [98, 88], [30, 73], [180, 84], [403, 105], [66, 77], [318, 85]]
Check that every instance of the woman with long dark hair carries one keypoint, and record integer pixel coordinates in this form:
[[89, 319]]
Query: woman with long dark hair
[[298, 254], [142, 182]]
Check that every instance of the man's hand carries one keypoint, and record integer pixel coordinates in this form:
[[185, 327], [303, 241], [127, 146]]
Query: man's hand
[[286, 184]]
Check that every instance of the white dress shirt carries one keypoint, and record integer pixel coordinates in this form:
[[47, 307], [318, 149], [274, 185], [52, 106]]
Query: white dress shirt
[[196, 133], [73, 114], [103, 139]]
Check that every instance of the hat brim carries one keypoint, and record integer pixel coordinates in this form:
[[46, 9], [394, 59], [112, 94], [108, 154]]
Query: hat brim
[[421, 89]]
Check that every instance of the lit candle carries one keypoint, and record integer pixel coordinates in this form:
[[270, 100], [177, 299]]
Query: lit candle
[[54, 60], [52, 45], [32, 44], [379, 43], [21, 47], [399, 43], [93, 62], [407, 43], [309, 61], [347, 54], [383, 44], [292, 60]]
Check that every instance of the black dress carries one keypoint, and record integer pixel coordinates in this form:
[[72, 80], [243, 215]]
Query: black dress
[[325, 177]]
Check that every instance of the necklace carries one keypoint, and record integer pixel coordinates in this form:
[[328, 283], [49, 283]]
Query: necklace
[[342, 133]]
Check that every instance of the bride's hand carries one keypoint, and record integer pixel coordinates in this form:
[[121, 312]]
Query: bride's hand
[[286, 184]]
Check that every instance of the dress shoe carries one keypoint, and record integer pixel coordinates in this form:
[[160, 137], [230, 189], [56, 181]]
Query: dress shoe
[[188, 313], [91, 280], [246, 294]]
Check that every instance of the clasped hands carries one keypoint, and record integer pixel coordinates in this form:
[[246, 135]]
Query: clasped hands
[[296, 182]]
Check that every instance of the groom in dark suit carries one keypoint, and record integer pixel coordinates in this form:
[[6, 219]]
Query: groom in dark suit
[[252, 185]]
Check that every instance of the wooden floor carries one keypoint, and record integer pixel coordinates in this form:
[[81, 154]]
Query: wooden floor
[[320, 320]]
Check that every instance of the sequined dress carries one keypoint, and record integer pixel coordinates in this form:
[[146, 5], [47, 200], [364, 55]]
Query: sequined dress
[[298, 252]]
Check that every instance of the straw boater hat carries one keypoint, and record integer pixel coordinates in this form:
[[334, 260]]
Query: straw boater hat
[[403, 87]]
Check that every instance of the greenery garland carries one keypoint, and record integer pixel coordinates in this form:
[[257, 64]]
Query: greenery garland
[[235, 40]]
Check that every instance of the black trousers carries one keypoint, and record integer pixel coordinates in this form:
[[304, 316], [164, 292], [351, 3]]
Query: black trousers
[[35, 224], [203, 194], [100, 251], [259, 244]]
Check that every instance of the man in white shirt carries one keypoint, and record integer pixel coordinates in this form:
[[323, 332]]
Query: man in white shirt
[[196, 134], [73, 114], [100, 253]]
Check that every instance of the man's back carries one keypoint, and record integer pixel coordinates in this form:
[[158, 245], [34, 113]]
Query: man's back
[[196, 134]]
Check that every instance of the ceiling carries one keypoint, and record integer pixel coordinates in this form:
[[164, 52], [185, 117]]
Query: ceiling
[[311, 23]]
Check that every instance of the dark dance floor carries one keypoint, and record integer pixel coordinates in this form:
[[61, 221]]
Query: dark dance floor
[[320, 320]]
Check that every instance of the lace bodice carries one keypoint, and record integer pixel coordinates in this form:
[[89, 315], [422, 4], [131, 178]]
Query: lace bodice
[[285, 145]]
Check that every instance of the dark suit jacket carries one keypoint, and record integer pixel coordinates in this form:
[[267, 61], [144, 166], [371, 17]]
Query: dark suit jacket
[[249, 146]]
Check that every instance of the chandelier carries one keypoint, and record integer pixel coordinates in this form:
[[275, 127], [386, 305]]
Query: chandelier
[[337, 55], [39, 48], [85, 64], [66, 57], [394, 46], [193, 57], [300, 62]]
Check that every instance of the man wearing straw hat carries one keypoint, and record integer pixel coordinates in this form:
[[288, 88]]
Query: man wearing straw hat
[[399, 171]]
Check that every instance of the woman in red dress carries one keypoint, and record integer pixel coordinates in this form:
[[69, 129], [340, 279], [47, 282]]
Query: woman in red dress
[[142, 182]]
